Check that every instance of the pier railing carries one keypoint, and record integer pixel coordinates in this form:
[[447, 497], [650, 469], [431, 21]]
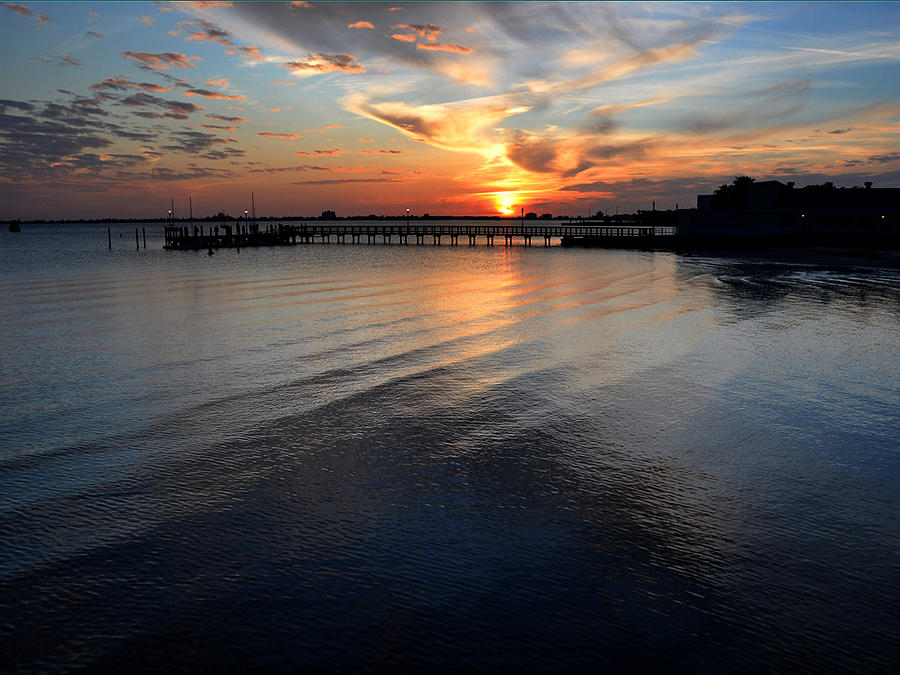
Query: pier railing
[[238, 235]]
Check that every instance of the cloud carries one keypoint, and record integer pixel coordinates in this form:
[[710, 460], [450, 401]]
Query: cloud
[[462, 125], [121, 83], [381, 152], [218, 126], [439, 47], [402, 37], [343, 181], [365, 140], [214, 94], [318, 153], [532, 153], [26, 12], [202, 144], [246, 52], [269, 134], [299, 4], [55, 137], [360, 24], [148, 21], [315, 64], [883, 159], [285, 169], [335, 126], [284, 83], [176, 109], [225, 118], [20, 105], [218, 83], [93, 33], [18, 9], [64, 60], [209, 32], [427, 31], [163, 61]]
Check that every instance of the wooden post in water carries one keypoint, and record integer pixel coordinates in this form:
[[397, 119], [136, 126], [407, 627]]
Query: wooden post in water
[[144, 233], [137, 242], [109, 237]]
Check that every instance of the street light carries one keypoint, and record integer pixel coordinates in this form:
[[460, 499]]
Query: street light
[[407, 217]]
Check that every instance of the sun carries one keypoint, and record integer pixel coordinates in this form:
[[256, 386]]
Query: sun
[[506, 202]]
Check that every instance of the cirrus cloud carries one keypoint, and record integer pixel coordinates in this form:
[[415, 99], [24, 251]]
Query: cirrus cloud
[[316, 64], [207, 93], [161, 61]]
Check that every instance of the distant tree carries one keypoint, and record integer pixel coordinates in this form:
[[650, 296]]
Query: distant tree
[[531, 215], [329, 215], [546, 216], [733, 195]]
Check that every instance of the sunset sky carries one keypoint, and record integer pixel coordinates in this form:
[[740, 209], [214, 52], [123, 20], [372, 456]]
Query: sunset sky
[[109, 109]]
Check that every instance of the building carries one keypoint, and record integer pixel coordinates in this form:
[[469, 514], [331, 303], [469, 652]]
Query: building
[[771, 208]]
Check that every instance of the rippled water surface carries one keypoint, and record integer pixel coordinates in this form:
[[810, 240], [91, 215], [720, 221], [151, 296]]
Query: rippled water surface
[[393, 457]]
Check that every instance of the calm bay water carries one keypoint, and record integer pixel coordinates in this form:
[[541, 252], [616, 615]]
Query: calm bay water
[[390, 457]]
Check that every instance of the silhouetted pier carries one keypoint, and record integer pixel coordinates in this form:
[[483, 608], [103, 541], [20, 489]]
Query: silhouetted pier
[[248, 235]]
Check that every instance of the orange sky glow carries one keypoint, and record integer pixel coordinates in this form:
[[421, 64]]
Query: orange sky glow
[[443, 108]]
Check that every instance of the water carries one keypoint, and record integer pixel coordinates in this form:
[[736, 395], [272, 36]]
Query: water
[[391, 457]]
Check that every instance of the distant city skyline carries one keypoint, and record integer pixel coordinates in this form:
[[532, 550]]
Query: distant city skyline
[[110, 109]]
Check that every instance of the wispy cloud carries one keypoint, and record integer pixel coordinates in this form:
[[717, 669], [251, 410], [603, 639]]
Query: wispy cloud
[[318, 153], [176, 109], [207, 93], [427, 31], [440, 47], [361, 24], [23, 10], [122, 83], [226, 118], [162, 61], [316, 64], [270, 134], [64, 60]]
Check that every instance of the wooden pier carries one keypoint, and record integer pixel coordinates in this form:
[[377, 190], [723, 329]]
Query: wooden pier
[[239, 235]]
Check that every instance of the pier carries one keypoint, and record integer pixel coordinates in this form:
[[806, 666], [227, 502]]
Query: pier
[[239, 235]]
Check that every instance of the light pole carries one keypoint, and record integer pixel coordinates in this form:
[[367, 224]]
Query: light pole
[[246, 221], [407, 217]]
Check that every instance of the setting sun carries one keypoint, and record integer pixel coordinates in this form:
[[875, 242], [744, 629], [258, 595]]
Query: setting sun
[[505, 202]]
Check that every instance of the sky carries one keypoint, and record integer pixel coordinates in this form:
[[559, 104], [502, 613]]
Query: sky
[[112, 109]]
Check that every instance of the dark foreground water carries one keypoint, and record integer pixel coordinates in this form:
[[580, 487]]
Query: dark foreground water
[[400, 457]]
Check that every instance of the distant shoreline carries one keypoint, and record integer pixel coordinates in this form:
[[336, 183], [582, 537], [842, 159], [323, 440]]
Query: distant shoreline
[[268, 219]]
